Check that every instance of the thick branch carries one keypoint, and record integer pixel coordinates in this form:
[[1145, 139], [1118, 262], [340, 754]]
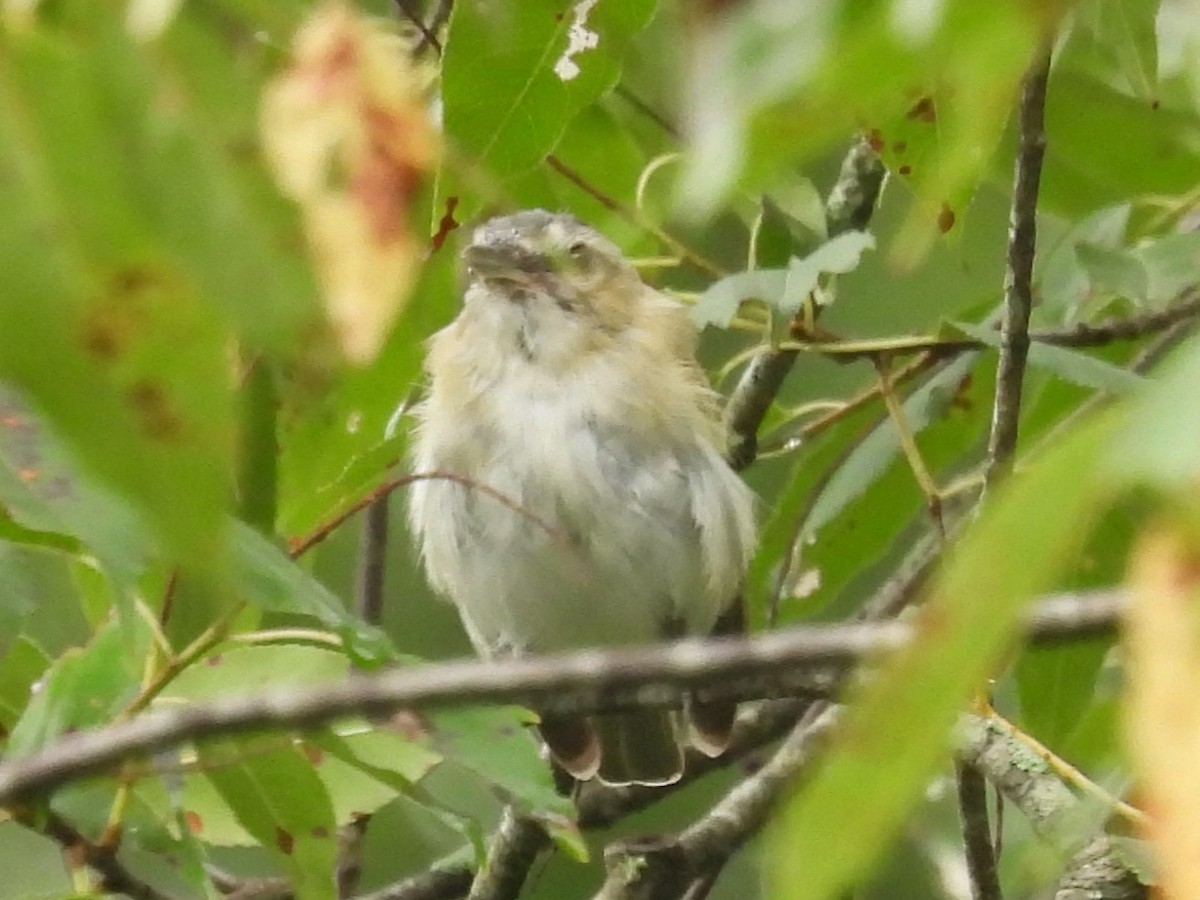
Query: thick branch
[[1018, 279], [1051, 808], [586, 681]]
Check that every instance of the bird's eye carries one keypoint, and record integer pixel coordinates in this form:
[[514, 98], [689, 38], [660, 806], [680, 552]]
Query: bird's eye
[[577, 250]]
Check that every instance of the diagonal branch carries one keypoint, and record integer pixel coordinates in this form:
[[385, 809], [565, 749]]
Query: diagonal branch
[[850, 205], [1018, 278]]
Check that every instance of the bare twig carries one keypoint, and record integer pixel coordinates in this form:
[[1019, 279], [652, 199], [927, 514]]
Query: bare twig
[[428, 32], [1079, 336], [574, 683], [1018, 278], [647, 110], [850, 205], [301, 545], [436, 884], [372, 561], [514, 848], [977, 836]]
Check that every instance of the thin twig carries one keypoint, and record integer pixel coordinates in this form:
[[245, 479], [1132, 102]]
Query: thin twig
[[977, 837], [1080, 336], [436, 884], [574, 683], [301, 545], [428, 32], [908, 444], [648, 111], [1018, 278], [372, 561]]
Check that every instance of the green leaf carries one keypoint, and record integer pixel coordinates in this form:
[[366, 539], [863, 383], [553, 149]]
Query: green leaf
[[278, 798], [896, 729], [719, 303], [1067, 363], [1160, 444], [852, 507], [22, 665], [1171, 263], [542, 61], [497, 745], [84, 687], [99, 328], [270, 580], [1061, 284], [1113, 272], [337, 446], [238, 670], [779, 83], [1085, 169], [236, 237], [363, 769], [784, 289], [1124, 31], [869, 459], [41, 488]]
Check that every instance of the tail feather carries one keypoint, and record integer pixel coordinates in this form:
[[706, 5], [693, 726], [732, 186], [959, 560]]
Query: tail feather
[[639, 747], [711, 721], [573, 744]]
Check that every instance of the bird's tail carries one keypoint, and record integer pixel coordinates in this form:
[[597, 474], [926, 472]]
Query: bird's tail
[[640, 747]]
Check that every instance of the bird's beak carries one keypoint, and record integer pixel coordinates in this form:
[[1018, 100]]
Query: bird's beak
[[507, 261]]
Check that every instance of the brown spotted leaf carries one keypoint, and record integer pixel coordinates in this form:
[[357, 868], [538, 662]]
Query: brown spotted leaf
[[348, 137]]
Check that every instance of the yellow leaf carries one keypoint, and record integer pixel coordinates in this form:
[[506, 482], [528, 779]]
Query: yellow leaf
[[348, 137], [1162, 638]]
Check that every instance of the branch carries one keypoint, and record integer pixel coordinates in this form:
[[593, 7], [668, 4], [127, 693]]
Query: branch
[[850, 205], [654, 869], [436, 884], [114, 877], [576, 683], [1079, 336], [514, 847], [1018, 278], [977, 834], [372, 561], [1051, 808]]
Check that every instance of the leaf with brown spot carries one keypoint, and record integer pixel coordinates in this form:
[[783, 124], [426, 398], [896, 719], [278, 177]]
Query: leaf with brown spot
[[946, 218], [348, 136], [277, 796], [195, 824], [924, 110]]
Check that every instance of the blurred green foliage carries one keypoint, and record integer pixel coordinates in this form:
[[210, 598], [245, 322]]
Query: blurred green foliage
[[174, 416]]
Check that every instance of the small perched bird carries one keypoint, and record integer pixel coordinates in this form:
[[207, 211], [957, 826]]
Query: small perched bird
[[570, 388]]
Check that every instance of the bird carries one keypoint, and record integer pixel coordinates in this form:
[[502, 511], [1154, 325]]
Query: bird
[[587, 503]]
